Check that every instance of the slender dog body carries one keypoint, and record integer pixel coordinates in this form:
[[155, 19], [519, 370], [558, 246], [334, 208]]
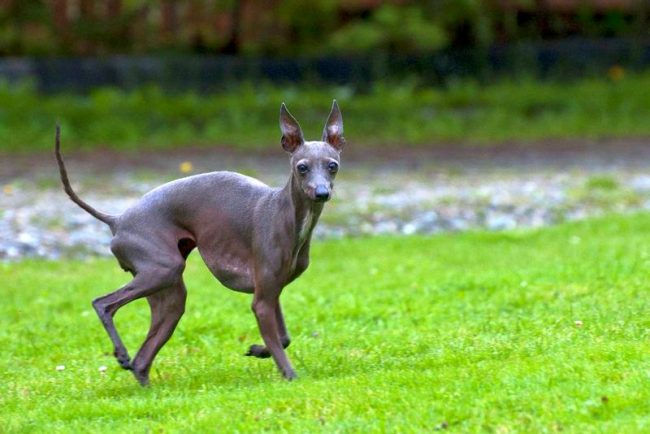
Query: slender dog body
[[225, 239], [253, 238]]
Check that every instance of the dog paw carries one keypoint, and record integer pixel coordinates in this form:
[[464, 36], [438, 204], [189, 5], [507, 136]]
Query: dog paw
[[124, 360], [289, 375], [258, 351], [142, 377]]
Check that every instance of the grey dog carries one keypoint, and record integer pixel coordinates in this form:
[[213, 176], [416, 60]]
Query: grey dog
[[253, 238]]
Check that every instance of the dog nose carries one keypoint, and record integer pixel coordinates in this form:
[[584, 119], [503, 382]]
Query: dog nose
[[322, 193]]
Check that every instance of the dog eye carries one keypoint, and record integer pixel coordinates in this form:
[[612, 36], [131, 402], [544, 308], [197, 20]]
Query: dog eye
[[302, 168], [333, 167]]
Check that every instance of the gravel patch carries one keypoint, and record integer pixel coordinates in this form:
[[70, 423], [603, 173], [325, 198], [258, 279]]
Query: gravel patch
[[38, 221]]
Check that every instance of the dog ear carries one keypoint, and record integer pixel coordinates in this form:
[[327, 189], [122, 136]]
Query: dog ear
[[292, 137], [333, 131]]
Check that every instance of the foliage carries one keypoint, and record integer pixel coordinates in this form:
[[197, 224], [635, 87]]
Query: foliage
[[291, 27], [245, 117], [533, 331], [391, 28]]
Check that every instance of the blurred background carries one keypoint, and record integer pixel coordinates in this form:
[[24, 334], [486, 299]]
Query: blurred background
[[212, 45], [459, 114]]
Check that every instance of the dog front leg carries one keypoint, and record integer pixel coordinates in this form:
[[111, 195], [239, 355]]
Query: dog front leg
[[282, 328], [260, 351], [265, 308]]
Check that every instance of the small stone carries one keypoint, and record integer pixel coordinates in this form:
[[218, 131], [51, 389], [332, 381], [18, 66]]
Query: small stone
[[27, 238], [409, 229], [578, 323], [499, 222], [386, 227], [641, 183]]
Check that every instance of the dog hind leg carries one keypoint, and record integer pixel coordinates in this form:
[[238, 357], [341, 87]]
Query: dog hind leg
[[167, 307], [147, 281]]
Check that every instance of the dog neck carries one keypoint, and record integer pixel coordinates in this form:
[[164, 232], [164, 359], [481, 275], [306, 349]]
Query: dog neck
[[304, 211]]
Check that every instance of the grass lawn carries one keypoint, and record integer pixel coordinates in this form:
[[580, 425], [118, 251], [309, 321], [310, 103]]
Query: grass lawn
[[246, 116], [469, 332]]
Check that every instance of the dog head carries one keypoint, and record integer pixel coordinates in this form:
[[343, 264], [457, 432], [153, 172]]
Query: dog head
[[314, 164]]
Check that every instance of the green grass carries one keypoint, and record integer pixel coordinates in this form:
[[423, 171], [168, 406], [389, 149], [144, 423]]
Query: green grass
[[246, 117], [408, 334], [606, 192], [602, 183]]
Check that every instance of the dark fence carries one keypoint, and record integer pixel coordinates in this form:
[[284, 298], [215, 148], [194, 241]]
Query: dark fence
[[562, 59]]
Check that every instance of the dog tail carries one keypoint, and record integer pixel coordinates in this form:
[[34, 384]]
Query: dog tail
[[106, 218]]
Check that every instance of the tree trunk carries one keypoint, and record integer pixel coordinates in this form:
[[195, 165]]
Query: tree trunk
[[87, 8], [169, 19], [113, 8], [60, 12], [233, 46]]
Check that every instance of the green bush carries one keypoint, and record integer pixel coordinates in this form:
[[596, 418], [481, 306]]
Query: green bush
[[387, 114]]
